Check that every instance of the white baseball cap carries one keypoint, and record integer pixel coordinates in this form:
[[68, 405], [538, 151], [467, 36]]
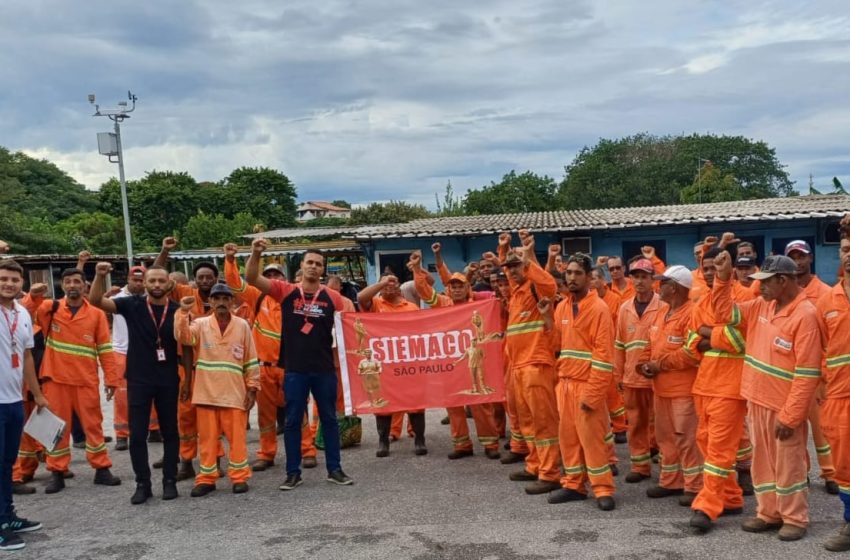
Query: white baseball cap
[[678, 274]]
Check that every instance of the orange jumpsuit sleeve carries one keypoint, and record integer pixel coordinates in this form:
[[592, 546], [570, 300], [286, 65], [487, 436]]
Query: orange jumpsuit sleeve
[[250, 362], [601, 360], [619, 348], [244, 291], [502, 253], [180, 291], [728, 339], [185, 332], [724, 306], [542, 280], [425, 290], [444, 272], [658, 265], [105, 355], [808, 356], [681, 358]]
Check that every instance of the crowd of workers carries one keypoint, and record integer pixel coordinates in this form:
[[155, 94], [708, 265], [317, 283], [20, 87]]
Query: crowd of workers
[[717, 374]]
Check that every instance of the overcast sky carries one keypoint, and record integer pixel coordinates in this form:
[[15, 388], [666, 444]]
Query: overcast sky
[[366, 100]]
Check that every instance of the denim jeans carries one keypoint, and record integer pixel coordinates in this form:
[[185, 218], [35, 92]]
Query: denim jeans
[[11, 428], [296, 387]]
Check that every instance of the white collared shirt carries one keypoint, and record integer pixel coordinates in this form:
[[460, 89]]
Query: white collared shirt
[[12, 379]]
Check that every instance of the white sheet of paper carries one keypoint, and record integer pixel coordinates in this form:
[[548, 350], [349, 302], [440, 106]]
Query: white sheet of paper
[[45, 427]]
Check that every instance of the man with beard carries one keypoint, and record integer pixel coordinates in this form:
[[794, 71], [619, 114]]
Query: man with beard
[[150, 371], [77, 338]]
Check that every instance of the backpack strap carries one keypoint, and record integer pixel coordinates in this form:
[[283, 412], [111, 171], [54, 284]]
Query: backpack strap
[[258, 304], [53, 309]]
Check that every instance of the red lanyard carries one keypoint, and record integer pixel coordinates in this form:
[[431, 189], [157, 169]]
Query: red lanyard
[[304, 300], [161, 322], [13, 327]]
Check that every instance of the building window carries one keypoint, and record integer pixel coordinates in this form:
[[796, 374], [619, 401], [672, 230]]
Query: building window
[[832, 233], [395, 263], [571, 245]]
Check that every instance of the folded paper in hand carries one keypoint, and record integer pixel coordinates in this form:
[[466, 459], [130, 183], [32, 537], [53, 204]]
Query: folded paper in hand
[[45, 427]]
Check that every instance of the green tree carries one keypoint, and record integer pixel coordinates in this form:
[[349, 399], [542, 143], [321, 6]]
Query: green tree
[[646, 170], [97, 232], [266, 193], [214, 230], [392, 212], [452, 205], [712, 185], [341, 203], [526, 192], [325, 222]]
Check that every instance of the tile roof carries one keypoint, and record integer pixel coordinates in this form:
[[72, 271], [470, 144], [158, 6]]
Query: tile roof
[[303, 233], [330, 247], [770, 209], [322, 205]]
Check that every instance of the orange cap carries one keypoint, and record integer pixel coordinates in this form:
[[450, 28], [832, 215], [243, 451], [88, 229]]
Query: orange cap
[[458, 277]]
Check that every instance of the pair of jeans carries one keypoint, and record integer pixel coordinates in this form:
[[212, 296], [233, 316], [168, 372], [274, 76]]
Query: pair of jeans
[[11, 428], [296, 388], [164, 398]]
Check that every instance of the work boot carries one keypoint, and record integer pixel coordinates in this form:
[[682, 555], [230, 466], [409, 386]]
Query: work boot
[[79, 444], [309, 462], [460, 454], [492, 453], [732, 511], [169, 489], [621, 437], [121, 444], [240, 487], [661, 492], [445, 421], [522, 476], [154, 436], [201, 490], [68, 475], [701, 521], [21, 489], [606, 503], [790, 532], [142, 493], [686, 499], [542, 487], [510, 458], [745, 481], [56, 484], [261, 464], [105, 477], [186, 471], [634, 477], [839, 542], [383, 424], [831, 487], [417, 421], [758, 525], [26, 478], [158, 463], [564, 495]]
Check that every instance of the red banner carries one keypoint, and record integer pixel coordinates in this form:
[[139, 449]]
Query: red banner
[[432, 358]]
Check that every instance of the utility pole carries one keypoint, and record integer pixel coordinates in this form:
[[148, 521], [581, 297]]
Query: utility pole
[[700, 161], [109, 144]]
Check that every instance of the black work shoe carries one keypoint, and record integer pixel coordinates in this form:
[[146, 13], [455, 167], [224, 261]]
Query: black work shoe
[[68, 475], [158, 463], [121, 444], [383, 449], [202, 490], [745, 481], [564, 495], [21, 525], [154, 436], [831, 487], [686, 499], [732, 511], [419, 447], [445, 421], [106, 478], [606, 503], [10, 541], [522, 476], [79, 444], [510, 458], [492, 453], [621, 437], [309, 462], [615, 470], [261, 464], [701, 521], [634, 477], [542, 487], [240, 487], [661, 492], [169, 490], [141, 495], [106, 439], [291, 483], [186, 471], [22, 489], [56, 484], [339, 477], [460, 454]]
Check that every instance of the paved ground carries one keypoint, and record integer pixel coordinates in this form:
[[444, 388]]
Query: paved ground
[[423, 508]]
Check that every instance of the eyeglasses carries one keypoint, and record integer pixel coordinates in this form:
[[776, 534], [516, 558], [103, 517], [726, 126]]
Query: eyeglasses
[[615, 268]]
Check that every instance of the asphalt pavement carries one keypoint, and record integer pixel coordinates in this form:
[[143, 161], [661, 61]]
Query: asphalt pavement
[[403, 506]]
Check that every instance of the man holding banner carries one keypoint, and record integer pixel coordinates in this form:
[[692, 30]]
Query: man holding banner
[[483, 415]]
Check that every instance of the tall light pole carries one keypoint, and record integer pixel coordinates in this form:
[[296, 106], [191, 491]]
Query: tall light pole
[[700, 161], [109, 144]]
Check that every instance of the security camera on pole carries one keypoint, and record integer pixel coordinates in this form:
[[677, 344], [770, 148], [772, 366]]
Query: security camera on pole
[[109, 144]]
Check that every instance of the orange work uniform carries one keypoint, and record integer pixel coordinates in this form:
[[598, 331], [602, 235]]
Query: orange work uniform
[[266, 327], [721, 410], [529, 350], [632, 338], [780, 375], [482, 414], [227, 368], [834, 316], [585, 332], [75, 343], [613, 398], [27, 461], [675, 413]]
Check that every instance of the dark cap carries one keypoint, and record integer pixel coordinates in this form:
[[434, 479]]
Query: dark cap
[[273, 267], [221, 289], [745, 262], [775, 264], [512, 260], [798, 245]]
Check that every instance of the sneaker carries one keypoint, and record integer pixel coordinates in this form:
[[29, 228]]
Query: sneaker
[[309, 462], [339, 477], [291, 483], [21, 525], [10, 541], [121, 444], [460, 454], [141, 495]]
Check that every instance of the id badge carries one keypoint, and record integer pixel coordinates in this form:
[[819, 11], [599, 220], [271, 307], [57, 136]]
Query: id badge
[[307, 328], [160, 354], [16, 360]]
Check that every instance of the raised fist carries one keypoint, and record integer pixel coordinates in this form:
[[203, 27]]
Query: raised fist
[[169, 243], [523, 233], [544, 306], [490, 256], [554, 249], [601, 260], [727, 239], [648, 251], [103, 268], [723, 265], [710, 241], [37, 289], [504, 239], [230, 250], [436, 247], [259, 245], [84, 256], [187, 303], [416, 258]]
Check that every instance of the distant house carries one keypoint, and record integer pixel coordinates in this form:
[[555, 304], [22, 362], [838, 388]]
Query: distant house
[[313, 209]]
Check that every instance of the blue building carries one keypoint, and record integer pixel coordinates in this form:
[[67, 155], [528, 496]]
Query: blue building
[[673, 230]]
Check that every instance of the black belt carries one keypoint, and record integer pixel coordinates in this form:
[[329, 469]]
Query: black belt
[[268, 364]]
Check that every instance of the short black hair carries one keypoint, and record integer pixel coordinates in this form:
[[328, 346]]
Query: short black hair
[[72, 272], [314, 252], [583, 260], [12, 266], [205, 264], [712, 253]]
